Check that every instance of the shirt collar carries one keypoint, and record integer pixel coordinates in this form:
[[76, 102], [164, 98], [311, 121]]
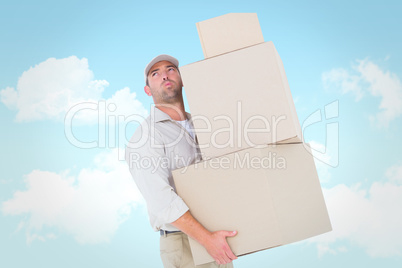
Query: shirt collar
[[160, 116]]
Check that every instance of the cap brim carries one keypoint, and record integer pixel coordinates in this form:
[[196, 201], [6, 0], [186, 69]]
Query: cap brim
[[157, 59]]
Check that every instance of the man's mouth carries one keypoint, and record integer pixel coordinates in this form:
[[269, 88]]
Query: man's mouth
[[167, 83]]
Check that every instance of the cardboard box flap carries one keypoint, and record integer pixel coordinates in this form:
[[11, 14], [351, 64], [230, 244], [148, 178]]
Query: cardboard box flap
[[228, 33]]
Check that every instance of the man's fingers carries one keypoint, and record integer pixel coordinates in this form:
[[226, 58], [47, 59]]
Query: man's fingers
[[222, 260], [231, 255], [230, 234], [220, 249], [229, 252], [226, 256]]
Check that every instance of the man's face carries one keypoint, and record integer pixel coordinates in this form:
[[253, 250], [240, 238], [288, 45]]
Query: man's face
[[164, 83]]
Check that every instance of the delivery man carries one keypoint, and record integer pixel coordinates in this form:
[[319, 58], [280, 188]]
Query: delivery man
[[163, 142]]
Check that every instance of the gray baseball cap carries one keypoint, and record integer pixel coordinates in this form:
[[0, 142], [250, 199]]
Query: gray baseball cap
[[159, 58]]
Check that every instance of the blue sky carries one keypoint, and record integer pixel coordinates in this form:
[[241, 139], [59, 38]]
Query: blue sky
[[64, 206]]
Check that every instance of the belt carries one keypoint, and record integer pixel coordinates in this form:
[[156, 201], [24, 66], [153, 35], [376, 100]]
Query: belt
[[165, 233]]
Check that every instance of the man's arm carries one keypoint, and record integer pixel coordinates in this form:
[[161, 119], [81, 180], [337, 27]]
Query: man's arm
[[165, 205], [214, 242]]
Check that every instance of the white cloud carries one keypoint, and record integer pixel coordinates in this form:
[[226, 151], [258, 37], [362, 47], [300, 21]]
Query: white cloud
[[126, 103], [89, 206], [342, 79], [122, 103], [367, 77], [369, 218], [9, 97], [49, 89], [394, 174]]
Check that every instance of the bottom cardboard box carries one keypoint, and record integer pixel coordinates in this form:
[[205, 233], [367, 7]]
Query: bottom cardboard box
[[270, 195]]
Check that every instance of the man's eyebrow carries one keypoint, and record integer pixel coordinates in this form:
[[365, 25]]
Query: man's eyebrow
[[154, 70], [157, 69]]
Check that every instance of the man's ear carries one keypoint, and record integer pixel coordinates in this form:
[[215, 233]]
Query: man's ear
[[147, 91]]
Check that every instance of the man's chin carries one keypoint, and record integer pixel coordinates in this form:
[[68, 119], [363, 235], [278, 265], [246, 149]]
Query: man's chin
[[172, 98]]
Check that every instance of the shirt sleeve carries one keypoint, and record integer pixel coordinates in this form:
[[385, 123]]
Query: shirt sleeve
[[151, 170]]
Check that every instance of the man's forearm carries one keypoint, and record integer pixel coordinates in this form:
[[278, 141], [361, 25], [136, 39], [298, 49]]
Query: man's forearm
[[214, 242], [189, 225]]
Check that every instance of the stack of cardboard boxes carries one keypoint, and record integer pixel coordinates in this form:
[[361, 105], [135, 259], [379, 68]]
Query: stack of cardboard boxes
[[257, 176]]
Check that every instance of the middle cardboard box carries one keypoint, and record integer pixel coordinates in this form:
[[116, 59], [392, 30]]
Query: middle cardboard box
[[239, 100]]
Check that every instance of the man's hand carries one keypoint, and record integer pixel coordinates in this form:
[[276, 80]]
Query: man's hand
[[218, 248], [214, 242]]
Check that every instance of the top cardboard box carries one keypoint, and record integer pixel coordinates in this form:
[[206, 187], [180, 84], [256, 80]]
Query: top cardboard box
[[228, 33]]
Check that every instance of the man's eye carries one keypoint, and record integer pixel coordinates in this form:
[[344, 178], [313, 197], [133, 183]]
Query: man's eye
[[171, 69], [153, 74]]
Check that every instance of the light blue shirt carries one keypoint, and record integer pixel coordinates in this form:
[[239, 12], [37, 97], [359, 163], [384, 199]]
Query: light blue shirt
[[158, 146]]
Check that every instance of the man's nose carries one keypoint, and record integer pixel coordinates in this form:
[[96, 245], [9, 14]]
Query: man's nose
[[164, 76]]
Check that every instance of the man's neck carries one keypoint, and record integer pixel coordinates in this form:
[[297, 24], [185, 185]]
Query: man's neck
[[175, 111]]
